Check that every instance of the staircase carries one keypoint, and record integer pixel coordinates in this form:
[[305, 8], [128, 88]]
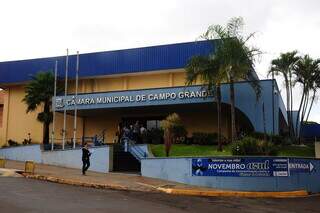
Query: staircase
[[124, 161]]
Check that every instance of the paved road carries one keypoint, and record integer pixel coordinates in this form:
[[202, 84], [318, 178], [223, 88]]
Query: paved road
[[26, 195]]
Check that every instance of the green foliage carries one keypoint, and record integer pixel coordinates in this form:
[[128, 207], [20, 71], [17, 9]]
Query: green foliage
[[38, 93], [297, 151], [173, 129], [253, 146], [13, 143], [204, 138], [234, 57], [174, 125], [182, 150], [40, 90], [155, 136], [275, 139]]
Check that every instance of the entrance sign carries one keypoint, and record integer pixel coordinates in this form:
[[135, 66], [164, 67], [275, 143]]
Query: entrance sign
[[301, 166], [133, 98], [240, 167]]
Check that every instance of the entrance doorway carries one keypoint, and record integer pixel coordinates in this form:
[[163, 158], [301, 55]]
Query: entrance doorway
[[149, 122]]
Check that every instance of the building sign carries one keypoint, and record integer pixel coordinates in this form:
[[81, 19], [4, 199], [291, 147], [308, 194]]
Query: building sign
[[301, 166], [251, 167], [240, 167], [161, 96]]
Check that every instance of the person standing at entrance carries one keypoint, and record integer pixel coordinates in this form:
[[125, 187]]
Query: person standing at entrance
[[136, 131], [85, 158]]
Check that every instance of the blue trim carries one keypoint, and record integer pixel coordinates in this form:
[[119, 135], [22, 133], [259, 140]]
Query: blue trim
[[163, 57]]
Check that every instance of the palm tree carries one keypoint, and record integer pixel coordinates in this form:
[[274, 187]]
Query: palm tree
[[307, 71], [39, 93], [231, 61], [206, 69], [315, 79], [284, 65], [235, 59], [171, 126]]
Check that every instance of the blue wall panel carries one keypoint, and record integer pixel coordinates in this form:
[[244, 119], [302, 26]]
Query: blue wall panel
[[245, 101], [180, 170]]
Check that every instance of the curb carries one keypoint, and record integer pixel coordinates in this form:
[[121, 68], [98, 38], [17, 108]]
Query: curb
[[77, 183], [172, 191], [205, 193]]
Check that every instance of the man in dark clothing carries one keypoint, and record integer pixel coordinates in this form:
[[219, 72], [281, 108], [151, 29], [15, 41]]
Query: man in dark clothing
[[85, 158]]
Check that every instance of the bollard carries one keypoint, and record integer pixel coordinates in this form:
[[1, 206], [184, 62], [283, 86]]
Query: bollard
[[29, 167], [2, 163]]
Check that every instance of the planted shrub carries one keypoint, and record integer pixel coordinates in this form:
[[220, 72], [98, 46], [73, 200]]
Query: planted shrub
[[155, 136], [13, 143], [173, 129], [276, 139], [204, 138], [253, 146]]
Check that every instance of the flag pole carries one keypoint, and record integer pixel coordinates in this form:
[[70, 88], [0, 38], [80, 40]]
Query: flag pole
[[65, 98], [54, 104], [75, 106]]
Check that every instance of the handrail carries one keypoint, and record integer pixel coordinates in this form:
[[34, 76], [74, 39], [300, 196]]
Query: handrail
[[136, 151]]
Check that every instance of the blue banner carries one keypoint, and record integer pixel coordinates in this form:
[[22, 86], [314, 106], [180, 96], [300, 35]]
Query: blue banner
[[240, 167]]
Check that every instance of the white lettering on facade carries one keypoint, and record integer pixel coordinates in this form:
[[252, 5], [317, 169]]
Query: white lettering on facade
[[161, 96]]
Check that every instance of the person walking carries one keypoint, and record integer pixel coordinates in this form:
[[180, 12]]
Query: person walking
[[85, 158]]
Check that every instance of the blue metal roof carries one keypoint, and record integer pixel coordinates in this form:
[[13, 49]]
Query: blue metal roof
[[171, 56]]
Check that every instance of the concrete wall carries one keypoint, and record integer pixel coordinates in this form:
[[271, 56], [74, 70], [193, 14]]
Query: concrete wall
[[20, 123], [101, 159], [22, 153], [179, 170]]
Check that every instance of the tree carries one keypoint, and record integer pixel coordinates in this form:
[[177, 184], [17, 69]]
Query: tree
[[173, 128], [38, 93], [235, 59], [307, 71], [284, 65], [206, 68]]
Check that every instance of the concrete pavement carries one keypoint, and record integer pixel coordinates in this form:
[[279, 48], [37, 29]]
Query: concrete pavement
[[135, 182], [129, 181], [28, 195]]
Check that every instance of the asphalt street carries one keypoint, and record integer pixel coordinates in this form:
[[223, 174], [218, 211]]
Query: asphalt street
[[25, 195]]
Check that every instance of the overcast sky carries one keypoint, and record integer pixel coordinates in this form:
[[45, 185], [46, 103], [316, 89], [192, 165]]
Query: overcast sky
[[42, 28]]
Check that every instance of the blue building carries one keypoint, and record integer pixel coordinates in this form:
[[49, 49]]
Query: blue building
[[126, 86]]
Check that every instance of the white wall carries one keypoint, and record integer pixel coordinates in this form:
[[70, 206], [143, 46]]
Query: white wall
[[22, 153], [101, 159]]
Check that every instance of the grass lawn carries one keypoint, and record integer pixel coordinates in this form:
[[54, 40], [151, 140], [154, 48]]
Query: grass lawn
[[180, 150], [299, 151]]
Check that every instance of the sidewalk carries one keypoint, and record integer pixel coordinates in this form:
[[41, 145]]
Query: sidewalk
[[129, 181], [134, 182]]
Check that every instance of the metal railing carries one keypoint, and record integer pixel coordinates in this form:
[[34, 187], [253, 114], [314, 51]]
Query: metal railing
[[92, 141], [130, 146]]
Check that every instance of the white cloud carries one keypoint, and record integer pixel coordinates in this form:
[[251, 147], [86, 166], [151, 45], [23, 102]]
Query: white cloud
[[35, 28]]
